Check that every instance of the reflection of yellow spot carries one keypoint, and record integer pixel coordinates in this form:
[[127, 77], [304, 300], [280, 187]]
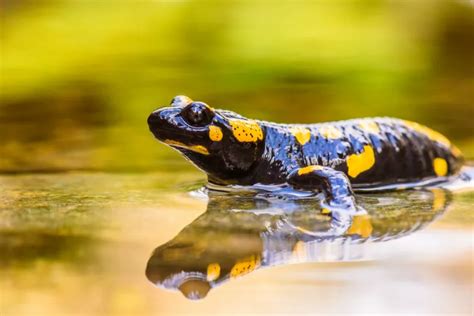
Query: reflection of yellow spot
[[213, 271], [361, 226], [439, 199], [329, 131], [301, 134], [431, 134], [369, 126], [325, 211], [196, 148], [299, 250], [308, 169], [215, 133], [358, 163], [245, 266], [440, 167], [246, 130]]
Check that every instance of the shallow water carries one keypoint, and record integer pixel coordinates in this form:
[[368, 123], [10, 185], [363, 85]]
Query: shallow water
[[96, 217], [101, 243]]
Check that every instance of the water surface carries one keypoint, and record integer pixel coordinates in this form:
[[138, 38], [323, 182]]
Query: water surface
[[98, 243]]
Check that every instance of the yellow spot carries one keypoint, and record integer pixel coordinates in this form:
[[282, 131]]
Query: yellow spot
[[187, 99], [215, 133], [325, 211], [301, 134], [213, 271], [428, 132], [245, 266], [369, 126], [329, 131], [440, 167], [209, 107], [308, 169], [358, 163], [361, 226], [196, 148], [246, 130], [439, 199]]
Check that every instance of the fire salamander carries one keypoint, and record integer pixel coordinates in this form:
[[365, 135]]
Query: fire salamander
[[334, 158]]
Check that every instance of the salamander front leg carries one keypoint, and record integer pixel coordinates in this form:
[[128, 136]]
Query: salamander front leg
[[334, 184]]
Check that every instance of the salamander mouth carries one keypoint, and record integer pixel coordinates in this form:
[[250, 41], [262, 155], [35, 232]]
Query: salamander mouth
[[164, 133]]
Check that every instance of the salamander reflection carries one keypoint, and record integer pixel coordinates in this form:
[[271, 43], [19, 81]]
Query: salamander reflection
[[238, 235]]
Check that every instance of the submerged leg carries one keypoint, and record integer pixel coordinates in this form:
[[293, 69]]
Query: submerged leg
[[334, 184]]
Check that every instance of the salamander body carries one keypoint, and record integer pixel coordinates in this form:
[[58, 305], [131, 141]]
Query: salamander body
[[333, 157]]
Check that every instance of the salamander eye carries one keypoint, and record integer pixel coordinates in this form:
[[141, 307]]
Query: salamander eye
[[197, 114]]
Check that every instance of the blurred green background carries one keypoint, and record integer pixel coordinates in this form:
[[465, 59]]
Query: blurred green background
[[79, 78]]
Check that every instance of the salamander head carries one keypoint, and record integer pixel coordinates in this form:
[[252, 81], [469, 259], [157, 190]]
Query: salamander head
[[222, 143]]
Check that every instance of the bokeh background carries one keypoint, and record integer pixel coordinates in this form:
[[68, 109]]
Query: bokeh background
[[86, 192], [78, 78]]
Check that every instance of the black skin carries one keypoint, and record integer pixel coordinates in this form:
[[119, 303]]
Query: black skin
[[403, 155]]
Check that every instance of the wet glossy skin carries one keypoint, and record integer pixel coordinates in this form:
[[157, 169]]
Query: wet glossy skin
[[332, 157], [235, 150]]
